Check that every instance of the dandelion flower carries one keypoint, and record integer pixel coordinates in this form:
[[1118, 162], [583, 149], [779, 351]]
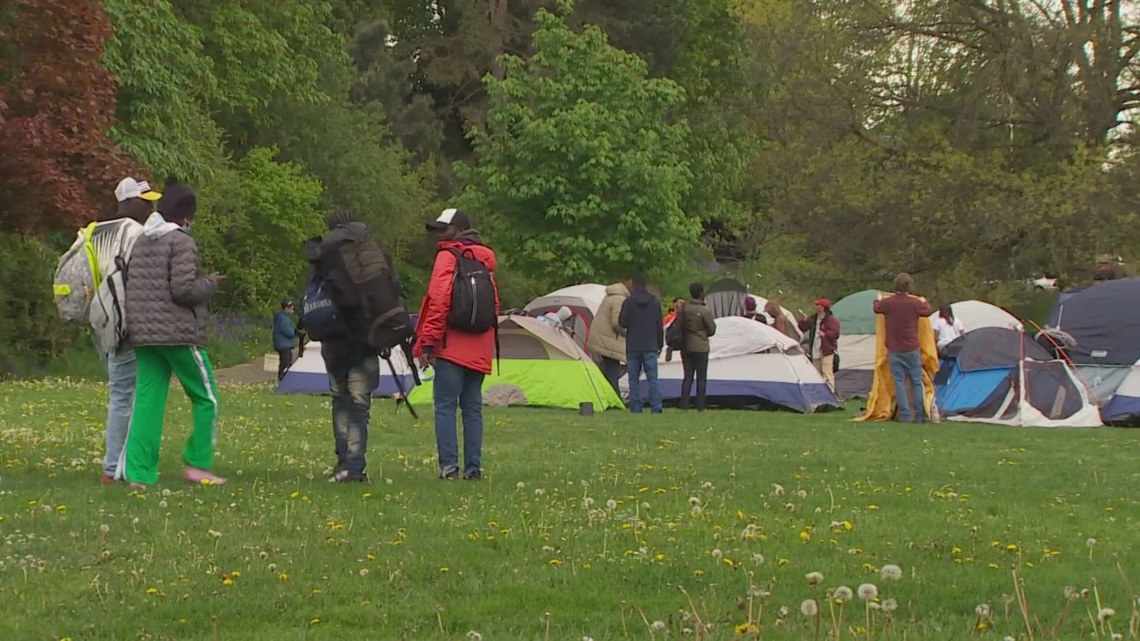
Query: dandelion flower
[[272, 567], [890, 605], [520, 485], [758, 558], [983, 610], [809, 608], [716, 553], [694, 500], [363, 571], [1091, 542], [891, 572], [843, 593], [814, 578], [588, 502], [658, 626], [103, 529], [474, 636], [587, 638], [1104, 614], [1071, 593], [777, 489], [696, 511], [540, 492], [868, 591], [214, 534], [611, 504]]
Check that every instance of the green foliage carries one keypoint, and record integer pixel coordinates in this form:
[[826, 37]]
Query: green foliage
[[166, 82], [30, 328], [253, 235], [582, 164]]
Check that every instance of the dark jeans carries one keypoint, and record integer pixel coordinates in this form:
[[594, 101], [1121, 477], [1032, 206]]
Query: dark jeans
[[694, 364], [284, 362], [352, 378], [635, 363], [456, 387], [611, 368], [905, 364]]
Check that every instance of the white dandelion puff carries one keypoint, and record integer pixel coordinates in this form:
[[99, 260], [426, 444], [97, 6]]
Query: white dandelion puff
[[809, 608], [696, 511], [1071, 593], [474, 636], [890, 605], [983, 610], [843, 593], [891, 572], [363, 571], [777, 489], [1105, 614], [801, 494], [658, 626], [716, 553], [868, 591], [694, 500], [103, 529], [758, 558], [612, 504], [587, 502], [520, 485], [814, 578]]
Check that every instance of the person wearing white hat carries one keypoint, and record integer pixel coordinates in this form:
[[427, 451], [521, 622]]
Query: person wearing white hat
[[112, 238]]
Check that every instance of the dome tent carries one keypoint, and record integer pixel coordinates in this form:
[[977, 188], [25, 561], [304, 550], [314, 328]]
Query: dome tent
[[583, 301]]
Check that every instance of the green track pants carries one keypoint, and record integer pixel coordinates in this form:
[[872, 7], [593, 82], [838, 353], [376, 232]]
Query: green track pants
[[192, 367]]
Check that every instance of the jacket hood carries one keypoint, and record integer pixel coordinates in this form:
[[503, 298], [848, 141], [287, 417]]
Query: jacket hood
[[470, 240], [156, 226], [617, 289], [642, 297]]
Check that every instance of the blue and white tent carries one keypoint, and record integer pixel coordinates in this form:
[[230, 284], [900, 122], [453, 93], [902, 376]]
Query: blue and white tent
[[308, 375], [1125, 404], [999, 375], [750, 365]]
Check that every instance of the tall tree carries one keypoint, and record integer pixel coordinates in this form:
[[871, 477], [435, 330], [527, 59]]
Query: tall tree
[[57, 164], [582, 164]]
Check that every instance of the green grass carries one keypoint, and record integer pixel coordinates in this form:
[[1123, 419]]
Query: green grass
[[522, 556]]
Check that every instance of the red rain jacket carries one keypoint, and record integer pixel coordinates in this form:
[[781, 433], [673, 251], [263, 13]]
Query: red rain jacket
[[473, 351]]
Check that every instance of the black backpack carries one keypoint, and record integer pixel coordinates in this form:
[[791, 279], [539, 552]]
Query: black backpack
[[472, 295], [365, 296]]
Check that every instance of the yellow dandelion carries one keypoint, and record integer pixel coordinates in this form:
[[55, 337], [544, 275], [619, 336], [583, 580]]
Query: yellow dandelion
[[698, 572], [1012, 547], [314, 621], [872, 507], [554, 562], [444, 569], [152, 590], [992, 566], [659, 556], [235, 573], [283, 577], [227, 581]]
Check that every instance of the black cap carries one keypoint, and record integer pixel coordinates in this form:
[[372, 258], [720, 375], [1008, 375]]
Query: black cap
[[450, 218], [178, 202], [286, 303]]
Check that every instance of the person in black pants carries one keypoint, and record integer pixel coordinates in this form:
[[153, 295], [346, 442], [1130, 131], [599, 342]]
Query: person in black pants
[[284, 337], [699, 324]]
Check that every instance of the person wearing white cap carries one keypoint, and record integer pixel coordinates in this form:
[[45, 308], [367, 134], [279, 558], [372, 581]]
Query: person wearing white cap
[[112, 238]]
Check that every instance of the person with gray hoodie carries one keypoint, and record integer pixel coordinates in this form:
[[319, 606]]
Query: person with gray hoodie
[[166, 320]]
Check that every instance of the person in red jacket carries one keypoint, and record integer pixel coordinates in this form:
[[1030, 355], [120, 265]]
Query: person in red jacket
[[460, 359], [822, 339]]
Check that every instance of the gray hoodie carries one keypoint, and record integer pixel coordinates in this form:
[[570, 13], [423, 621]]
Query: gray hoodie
[[166, 290]]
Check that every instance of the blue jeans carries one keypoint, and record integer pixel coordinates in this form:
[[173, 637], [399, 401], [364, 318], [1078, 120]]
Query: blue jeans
[[455, 387], [122, 369], [903, 364], [635, 362], [351, 382]]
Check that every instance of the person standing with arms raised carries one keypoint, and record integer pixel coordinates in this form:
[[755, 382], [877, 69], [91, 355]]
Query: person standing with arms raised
[[901, 312]]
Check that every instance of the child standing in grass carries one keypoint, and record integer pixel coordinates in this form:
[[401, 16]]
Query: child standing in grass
[[166, 319]]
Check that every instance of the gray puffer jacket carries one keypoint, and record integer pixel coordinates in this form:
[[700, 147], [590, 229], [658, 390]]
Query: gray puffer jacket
[[166, 291]]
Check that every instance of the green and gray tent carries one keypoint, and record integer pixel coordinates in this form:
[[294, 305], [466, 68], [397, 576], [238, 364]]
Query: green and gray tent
[[856, 317], [538, 366]]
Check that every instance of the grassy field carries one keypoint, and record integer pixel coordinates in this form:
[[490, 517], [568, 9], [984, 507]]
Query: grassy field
[[610, 527]]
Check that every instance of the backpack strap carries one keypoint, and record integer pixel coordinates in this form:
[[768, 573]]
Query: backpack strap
[[387, 356]]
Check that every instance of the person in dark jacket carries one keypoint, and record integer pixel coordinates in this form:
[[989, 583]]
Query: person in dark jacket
[[166, 320], [822, 340], [644, 326], [284, 337], [353, 367], [699, 325]]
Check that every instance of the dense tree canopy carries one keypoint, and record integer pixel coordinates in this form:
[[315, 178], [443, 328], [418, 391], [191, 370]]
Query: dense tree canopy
[[973, 142]]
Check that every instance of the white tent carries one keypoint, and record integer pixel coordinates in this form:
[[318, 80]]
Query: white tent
[[308, 375], [1124, 407], [976, 314], [583, 300], [761, 302], [750, 364]]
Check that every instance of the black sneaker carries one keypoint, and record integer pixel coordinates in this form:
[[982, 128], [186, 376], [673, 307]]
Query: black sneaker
[[477, 475], [449, 473]]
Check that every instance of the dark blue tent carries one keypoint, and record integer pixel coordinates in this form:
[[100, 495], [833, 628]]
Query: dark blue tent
[[1105, 321], [981, 374]]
